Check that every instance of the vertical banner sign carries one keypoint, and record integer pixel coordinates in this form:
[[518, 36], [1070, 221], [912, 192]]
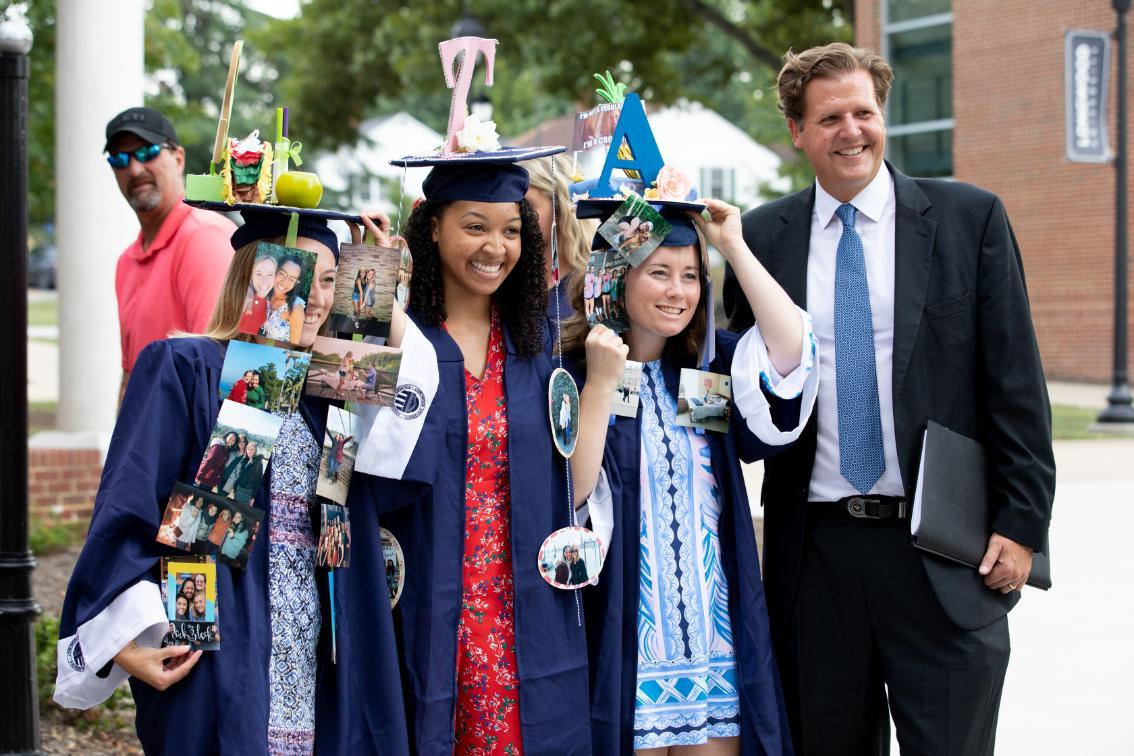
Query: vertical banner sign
[[1086, 68]]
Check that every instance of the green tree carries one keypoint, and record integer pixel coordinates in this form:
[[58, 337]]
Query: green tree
[[723, 54]]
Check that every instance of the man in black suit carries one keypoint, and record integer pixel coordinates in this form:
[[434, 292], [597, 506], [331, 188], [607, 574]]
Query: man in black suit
[[916, 290]]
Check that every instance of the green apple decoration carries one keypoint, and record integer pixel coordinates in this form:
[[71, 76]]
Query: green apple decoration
[[299, 189]]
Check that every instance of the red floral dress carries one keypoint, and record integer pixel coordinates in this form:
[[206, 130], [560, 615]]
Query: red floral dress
[[488, 692]]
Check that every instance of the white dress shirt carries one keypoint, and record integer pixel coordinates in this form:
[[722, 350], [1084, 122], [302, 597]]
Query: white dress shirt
[[874, 222]]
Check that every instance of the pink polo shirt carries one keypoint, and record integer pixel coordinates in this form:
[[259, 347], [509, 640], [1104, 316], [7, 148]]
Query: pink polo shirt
[[175, 283]]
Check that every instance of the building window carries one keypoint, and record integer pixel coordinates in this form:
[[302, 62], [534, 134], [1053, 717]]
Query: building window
[[718, 183], [918, 40]]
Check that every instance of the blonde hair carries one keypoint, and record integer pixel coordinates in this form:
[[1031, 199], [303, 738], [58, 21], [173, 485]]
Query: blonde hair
[[224, 325], [828, 62], [574, 235]]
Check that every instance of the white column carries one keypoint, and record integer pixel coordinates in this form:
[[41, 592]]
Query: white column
[[99, 72]]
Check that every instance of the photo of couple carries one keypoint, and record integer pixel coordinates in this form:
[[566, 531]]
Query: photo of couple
[[636, 229], [204, 523], [238, 453], [571, 558], [262, 376], [278, 289], [604, 290], [353, 371], [369, 282]]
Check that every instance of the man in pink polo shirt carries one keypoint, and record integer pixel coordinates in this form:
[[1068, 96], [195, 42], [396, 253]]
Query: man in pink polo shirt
[[170, 277]]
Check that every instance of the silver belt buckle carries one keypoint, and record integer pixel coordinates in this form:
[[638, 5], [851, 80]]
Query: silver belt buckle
[[856, 507]]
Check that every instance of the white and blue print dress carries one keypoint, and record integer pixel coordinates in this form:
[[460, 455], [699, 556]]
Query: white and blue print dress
[[292, 592], [686, 691]]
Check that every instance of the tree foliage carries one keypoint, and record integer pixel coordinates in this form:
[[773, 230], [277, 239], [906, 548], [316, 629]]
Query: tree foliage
[[342, 61]]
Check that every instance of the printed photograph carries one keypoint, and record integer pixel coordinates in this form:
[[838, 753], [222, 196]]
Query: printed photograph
[[571, 558], [595, 127], [635, 229], [405, 272], [340, 445], [366, 289], [240, 447], [395, 565], [563, 409], [278, 289], [334, 537], [191, 515], [604, 290], [235, 533], [189, 591], [353, 371], [704, 400], [626, 392], [263, 376], [202, 522]]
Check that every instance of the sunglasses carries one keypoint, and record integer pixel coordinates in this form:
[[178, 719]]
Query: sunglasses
[[145, 154]]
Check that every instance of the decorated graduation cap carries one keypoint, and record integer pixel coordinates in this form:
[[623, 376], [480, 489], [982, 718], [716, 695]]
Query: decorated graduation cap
[[646, 181], [259, 225], [251, 174], [471, 164]]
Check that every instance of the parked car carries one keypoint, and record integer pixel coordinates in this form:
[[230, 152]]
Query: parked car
[[43, 261]]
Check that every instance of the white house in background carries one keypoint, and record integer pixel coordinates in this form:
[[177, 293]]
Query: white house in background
[[721, 159], [359, 169]]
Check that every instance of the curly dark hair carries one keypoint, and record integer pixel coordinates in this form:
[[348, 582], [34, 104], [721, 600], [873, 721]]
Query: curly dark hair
[[522, 298]]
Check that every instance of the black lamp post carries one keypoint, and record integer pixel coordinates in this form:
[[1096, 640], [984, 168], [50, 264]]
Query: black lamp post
[[19, 705], [1119, 409]]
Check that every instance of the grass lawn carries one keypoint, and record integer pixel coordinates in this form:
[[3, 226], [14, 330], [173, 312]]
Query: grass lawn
[[1070, 423], [43, 312], [41, 417]]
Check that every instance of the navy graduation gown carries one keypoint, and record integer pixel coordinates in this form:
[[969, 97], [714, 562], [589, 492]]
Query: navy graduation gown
[[163, 429], [425, 511], [612, 604]]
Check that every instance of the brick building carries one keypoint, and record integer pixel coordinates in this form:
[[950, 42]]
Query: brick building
[[979, 97]]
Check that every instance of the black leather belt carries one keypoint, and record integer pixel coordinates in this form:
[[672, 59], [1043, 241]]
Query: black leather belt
[[865, 507]]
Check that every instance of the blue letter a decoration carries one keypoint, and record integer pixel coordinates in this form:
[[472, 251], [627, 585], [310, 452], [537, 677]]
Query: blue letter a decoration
[[635, 129]]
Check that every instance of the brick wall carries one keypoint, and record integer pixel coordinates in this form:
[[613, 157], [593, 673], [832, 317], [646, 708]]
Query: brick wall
[[1008, 96], [62, 483]]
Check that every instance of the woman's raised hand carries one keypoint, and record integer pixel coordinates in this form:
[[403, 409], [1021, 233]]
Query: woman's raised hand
[[722, 229], [606, 357], [377, 223], [157, 667]]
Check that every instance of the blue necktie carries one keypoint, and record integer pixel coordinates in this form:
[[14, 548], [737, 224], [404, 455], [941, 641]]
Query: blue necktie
[[861, 459]]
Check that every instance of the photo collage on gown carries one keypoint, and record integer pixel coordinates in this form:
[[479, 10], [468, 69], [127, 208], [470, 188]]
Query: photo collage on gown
[[214, 518]]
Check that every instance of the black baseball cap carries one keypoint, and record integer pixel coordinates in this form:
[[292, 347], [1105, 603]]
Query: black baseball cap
[[144, 122]]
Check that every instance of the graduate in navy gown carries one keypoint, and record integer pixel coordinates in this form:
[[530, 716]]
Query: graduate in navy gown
[[271, 687], [466, 476], [677, 625]]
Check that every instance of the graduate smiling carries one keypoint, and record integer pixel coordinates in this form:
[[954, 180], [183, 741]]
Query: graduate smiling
[[466, 476]]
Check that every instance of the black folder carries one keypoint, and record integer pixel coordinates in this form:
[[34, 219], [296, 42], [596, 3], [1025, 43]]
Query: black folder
[[951, 516]]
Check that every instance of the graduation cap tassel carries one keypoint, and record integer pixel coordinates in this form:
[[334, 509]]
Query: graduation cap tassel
[[559, 351]]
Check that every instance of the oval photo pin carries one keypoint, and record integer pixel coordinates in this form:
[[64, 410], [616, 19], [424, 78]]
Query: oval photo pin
[[563, 411], [571, 558]]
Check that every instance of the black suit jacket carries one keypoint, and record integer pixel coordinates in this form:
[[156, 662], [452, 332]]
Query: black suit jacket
[[965, 355]]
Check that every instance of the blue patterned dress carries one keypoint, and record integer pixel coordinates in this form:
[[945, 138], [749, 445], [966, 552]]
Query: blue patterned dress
[[686, 688], [292, 592]]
